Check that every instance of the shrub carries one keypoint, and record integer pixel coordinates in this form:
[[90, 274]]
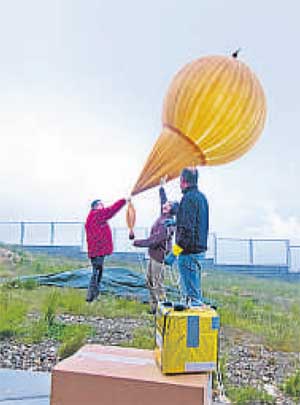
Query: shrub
[[50, 307]]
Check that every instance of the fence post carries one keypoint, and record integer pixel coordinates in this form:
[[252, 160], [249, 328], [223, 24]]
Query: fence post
[[288, 254], [52, 233], [215, 248], [22, 237], [251, 251]]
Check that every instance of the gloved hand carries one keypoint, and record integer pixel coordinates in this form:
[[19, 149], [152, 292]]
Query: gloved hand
[[170, 222], [170, 259], [163, 180]]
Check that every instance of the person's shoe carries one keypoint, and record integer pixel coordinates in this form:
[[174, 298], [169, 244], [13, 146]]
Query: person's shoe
[[89, 296]]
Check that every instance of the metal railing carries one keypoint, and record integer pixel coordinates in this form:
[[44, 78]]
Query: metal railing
[[222, 250]]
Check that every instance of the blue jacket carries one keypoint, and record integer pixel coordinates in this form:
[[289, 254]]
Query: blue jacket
[[192, 221]]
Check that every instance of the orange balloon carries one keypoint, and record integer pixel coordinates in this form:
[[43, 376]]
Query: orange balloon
[[213, 113]]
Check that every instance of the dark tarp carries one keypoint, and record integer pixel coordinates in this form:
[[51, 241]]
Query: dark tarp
[[117, 281]]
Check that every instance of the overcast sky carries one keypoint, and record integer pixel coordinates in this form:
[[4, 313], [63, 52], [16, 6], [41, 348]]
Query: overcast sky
[[82, 84]]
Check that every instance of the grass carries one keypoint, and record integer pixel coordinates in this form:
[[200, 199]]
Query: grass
[[29, 264], [269, 309], [292, 386], [249, 395], [12, 314], [143, 338], [266, 308]]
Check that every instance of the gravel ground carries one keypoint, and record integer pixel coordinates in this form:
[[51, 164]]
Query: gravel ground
[[43, 356], [248, 362]]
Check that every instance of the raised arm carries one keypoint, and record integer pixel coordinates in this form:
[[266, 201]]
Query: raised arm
[[107, 213], [163, 197], [153, 240]]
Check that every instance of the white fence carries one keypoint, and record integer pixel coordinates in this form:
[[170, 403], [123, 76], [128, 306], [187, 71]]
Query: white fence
[[222, 250]]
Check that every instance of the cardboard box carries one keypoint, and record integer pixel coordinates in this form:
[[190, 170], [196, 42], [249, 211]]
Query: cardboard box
[[186, 340], [106, 375]]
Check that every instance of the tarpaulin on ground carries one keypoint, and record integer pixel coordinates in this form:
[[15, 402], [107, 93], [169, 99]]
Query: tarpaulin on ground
[[118, 281]]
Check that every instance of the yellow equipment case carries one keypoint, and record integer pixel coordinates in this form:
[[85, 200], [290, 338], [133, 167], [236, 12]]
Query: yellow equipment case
[[186, 339]]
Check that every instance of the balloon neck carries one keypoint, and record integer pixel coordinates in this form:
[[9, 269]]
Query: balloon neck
[[131, 235]]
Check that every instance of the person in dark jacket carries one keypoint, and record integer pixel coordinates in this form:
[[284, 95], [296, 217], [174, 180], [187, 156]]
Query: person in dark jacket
[[159, 244], [191, 236], [99, 241]]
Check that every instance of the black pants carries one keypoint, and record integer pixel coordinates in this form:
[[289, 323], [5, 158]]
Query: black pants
[[94, 285]]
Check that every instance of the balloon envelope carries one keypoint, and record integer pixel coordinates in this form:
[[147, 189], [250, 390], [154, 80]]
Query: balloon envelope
[[213, 113]]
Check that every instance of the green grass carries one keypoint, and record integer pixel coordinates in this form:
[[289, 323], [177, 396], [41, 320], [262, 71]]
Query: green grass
[[12, 314], [143, 338], [249, 395], [266, 308], [29, 264], [292, 386], [72, 341]]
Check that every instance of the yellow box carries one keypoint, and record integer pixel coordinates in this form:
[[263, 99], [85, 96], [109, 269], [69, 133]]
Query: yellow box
[[186, 340]]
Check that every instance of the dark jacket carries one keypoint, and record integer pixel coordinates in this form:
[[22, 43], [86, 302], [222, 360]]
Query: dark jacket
[[98, 232], [160, 239], [192, 221]]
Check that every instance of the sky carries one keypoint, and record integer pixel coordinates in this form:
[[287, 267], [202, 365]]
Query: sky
[[82, 85]]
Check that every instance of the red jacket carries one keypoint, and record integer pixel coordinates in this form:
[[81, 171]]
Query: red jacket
[[98, 232]]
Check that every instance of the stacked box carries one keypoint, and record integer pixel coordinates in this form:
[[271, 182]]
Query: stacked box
[[186, 340]]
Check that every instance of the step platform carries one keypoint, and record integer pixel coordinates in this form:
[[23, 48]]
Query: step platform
[[109, 375]]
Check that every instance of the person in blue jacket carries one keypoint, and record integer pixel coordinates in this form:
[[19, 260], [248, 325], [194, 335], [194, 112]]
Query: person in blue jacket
[[192, 223]]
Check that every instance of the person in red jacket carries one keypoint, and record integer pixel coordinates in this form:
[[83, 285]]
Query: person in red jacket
[[99, 241]]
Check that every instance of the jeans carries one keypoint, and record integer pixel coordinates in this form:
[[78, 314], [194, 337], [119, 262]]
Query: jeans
[[190, 277]]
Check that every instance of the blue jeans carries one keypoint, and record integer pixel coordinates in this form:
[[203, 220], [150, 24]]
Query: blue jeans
[[190, 277]]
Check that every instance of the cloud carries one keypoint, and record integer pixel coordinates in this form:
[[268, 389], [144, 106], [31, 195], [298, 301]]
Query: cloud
[[277, 226]]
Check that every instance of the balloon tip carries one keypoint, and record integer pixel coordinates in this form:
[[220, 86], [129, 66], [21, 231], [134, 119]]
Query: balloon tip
[[235, 54], [131, 235]]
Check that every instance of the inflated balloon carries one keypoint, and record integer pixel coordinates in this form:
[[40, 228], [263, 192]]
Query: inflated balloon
[[213, 113]]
